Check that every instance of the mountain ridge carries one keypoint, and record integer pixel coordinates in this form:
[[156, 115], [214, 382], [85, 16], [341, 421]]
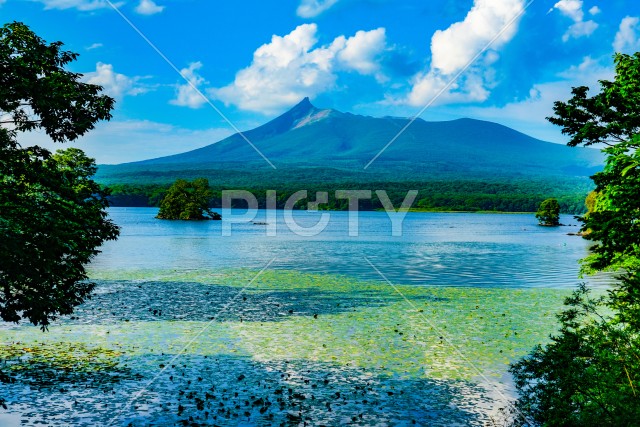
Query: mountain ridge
[[306, 136]]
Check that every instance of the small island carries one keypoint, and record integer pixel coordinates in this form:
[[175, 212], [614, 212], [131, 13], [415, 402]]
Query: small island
[[548, 214], [188, 200]]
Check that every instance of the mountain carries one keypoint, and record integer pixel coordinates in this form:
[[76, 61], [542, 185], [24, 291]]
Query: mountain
[[307, 142]]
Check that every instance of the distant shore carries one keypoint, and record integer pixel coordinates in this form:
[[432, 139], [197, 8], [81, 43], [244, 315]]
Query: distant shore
[[478, 212], [413, 210]]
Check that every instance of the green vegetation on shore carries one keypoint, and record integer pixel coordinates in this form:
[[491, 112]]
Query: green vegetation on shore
[[433, 196], [589, 372]]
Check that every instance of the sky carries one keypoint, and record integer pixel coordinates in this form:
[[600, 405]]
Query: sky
[[187, 73]]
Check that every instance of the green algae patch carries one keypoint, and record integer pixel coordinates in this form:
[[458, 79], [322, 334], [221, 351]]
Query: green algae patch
[[49, 364], [276, 337], [457, 333], [452, 333]]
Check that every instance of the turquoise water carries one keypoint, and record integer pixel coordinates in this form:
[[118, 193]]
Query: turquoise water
[[188, 327], [435, 249]]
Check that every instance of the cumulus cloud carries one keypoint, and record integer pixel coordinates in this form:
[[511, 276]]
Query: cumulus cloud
[[186, 94], [83, 5], [290, 68], [626, 40], [148, 7], [571, 8], [580, 27], [313, 8], [453, 49], [360, 52], [115, 84]]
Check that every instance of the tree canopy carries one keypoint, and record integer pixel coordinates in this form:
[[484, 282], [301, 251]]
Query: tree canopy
[[52, 214], [590, 371], [36, 92], [187, 200], [611, 118], [549, 212]]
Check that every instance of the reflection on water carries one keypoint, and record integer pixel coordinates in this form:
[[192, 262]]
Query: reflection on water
[[435, 249]]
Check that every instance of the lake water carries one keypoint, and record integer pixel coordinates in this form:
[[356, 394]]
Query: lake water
[[435, 249], [189, 326]]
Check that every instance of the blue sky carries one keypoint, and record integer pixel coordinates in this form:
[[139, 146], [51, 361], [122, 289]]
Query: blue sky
[[255, 59]]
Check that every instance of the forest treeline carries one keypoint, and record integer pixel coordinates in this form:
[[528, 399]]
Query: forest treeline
[[519, 196]]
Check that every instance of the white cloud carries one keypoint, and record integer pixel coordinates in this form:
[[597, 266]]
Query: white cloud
[[114, 84], [627, 40], [120, 141], [573, 10], [289, 68], [587, 73], [186, 95], [313, 8], [528, 115], [148, 7], [94, 46], [454, 48], [579, 29], [83, 5], [361, 52]]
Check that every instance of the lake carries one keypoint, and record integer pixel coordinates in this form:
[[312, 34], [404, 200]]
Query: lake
[[190, 326]]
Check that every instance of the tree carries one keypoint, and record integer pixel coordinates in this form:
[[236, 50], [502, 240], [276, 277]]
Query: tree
[[52, 214], [587, 374], [549, 212], [590, 371], [590, 201], [611, 118], [188, 201]]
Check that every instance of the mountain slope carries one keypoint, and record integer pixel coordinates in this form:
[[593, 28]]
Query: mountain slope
[[308, 138]]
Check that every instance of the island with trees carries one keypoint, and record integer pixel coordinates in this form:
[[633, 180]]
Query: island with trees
[[548, 213], [188, 200]]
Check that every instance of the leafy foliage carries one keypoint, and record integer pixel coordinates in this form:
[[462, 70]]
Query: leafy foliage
[[549, 212], [589, 373], [53, 220], [590, 201], [36, 92], [610, 117], [614, 221], [187, 200], [52, 214]]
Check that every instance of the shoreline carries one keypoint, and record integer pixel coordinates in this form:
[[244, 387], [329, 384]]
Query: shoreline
[[414, 210]]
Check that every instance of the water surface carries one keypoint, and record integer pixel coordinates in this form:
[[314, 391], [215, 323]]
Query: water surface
[[187, 327], [437, 249]]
